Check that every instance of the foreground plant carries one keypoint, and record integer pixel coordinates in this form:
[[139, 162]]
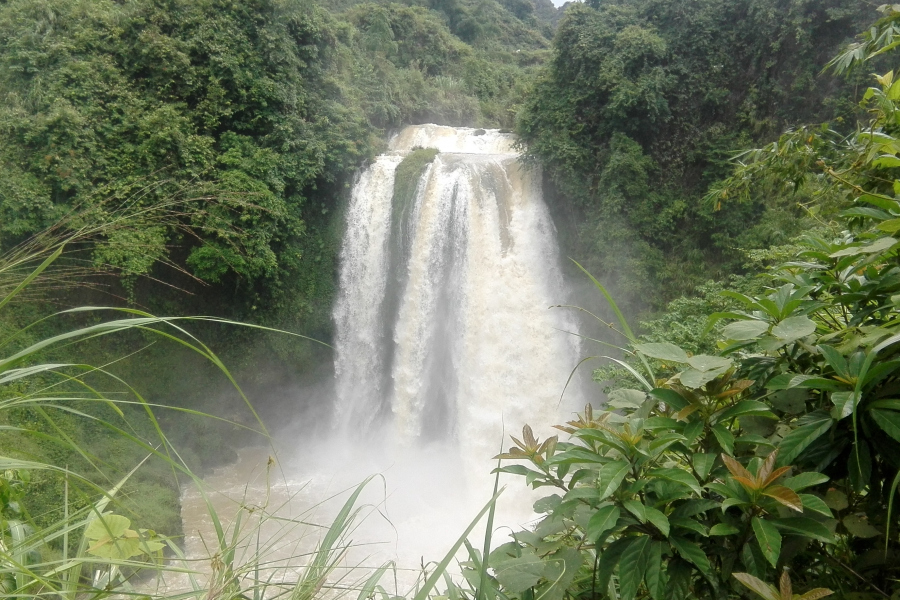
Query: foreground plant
[[783, 448], [784, 591]]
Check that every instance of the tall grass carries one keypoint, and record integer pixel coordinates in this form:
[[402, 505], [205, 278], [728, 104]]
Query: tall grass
[[109, 557]]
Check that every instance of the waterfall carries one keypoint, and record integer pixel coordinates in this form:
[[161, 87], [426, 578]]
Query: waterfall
[[443, 323]]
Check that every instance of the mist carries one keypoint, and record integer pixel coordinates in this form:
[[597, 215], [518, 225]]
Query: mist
[[446, 343]]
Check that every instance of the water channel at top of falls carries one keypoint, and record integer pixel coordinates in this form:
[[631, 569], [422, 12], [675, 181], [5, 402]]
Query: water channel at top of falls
[[445, 342]]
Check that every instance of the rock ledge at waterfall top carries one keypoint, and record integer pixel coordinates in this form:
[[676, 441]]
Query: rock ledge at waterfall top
[[458, 140]]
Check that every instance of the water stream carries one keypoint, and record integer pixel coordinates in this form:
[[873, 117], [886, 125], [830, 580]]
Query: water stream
[[445, 341]]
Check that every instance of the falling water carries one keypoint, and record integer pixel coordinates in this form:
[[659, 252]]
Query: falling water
[[444, 331], [445, 342]]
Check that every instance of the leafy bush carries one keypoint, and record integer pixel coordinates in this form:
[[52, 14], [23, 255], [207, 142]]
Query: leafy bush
[[641, 107], [780, 449]]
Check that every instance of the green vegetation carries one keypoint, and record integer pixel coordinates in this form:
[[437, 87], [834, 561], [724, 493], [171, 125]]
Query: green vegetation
[[206, 146], [230, 133], [641, 106], [408, 174], [775, 447]]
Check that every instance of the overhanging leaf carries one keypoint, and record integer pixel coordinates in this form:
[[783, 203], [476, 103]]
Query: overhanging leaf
[[794, 328], [757, 586], [679, 476], [518, 574], [799, 440], [806, 527], [745, 330], [703, 362], [663, 351], [888, 421]]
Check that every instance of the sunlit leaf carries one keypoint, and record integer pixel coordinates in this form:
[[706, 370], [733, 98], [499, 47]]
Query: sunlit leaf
[[663, 351], [758, 586], [785, 496], [745, 330], [794, 328]]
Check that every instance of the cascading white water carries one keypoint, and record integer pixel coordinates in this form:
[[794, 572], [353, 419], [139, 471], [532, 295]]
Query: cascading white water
[[446, 333], [445, 340]]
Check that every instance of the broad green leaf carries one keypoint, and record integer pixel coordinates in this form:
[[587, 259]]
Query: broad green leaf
[[689, 524], [601, 522], [658, 519], [518, 574], [806, 527], [116, 549], [723, 529], [786, 381], [745, 407], [611, 476], [692, 430], [799, 440], [753, 559], [888, 420], [609, 558], [724, 437], [836, 360], [836, 499], [805, 480], [815, 504], [679, 476], [694, 378], [679, 575], [655, 577], [561, 568], [887, 403], [745, 330], [703, 362], [791, 401], [859, 526], [634, 565], [703, 464], [691, 508], [768, 538], [626, 398], [844, 403], [878, 245], [758, 586], [886, 161], [669, 397], [107, 526], [663, 351], [636, 508], [794, 328], [692, 553], [658, 445]]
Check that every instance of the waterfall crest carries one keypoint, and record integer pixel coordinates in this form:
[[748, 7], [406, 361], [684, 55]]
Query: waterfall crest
[[444, 330]]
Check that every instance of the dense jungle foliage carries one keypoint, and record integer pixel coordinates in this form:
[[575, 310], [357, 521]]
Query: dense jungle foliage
[[769, 451], [641, 107], [193, 158]]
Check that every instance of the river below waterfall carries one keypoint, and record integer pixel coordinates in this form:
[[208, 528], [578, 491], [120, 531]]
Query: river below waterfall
[[445, 344]]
